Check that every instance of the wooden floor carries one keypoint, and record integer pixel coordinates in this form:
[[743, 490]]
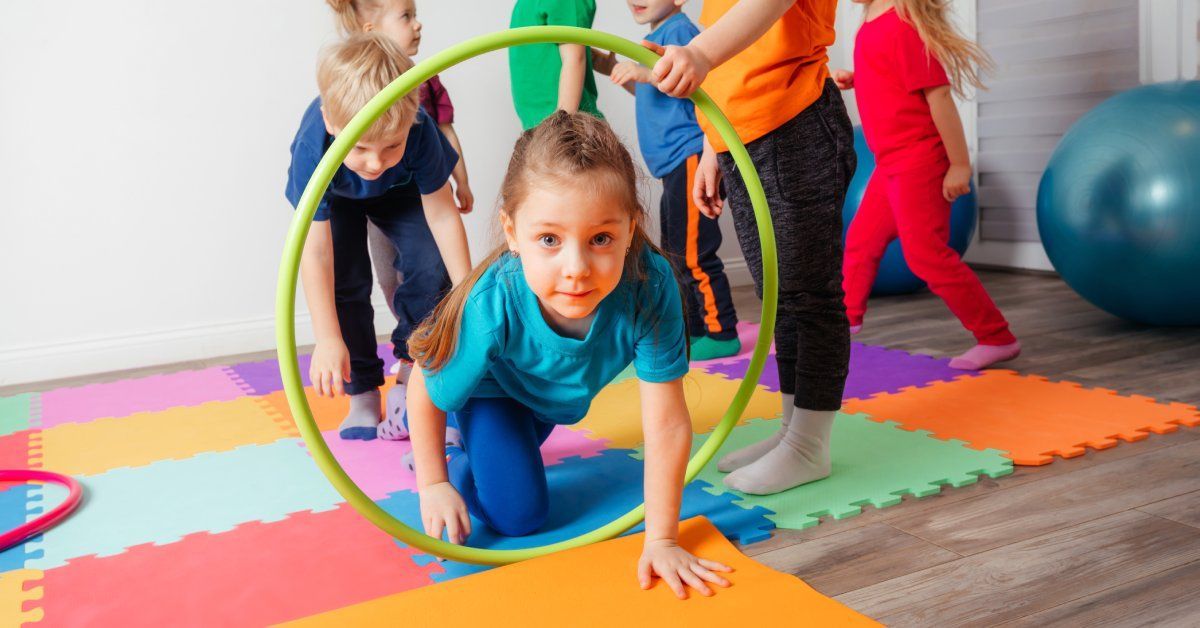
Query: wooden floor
[[1105, 539]]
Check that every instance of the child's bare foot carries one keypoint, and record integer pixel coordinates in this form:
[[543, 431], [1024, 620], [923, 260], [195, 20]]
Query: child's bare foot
[[980, 357], [854, 329]]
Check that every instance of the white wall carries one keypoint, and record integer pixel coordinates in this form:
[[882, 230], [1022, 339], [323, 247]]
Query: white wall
[[143, 153]]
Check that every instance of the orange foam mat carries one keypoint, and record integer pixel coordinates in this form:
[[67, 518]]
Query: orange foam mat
[[1030, 417], [328, 412], [597, 586]]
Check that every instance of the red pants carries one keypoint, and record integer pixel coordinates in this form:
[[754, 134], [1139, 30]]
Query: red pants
[[910, 206]]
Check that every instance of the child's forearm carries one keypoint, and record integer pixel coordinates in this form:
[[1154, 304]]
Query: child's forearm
[[741, 26], [603, 62], [668, 434], [316, 275], [570, 79], [427, 432], [446, 224], [949, 125], [460, 169]]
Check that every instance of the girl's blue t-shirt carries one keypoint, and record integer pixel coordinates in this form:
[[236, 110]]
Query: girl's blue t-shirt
[[507, 349]]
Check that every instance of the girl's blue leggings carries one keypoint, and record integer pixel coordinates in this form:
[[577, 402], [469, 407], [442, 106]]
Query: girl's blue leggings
[[501, 476]]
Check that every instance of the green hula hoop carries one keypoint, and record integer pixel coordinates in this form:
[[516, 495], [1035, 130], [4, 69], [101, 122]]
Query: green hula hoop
[[285, 295]]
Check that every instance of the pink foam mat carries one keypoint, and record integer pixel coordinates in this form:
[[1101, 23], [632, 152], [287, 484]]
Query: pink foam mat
[[376, 466], [143, 394], [254, 575]]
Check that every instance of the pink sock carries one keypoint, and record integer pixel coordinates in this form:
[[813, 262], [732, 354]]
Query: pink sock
[[854, 329], [980, 357]]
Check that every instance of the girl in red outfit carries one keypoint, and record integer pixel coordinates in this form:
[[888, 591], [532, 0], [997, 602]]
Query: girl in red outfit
[[909, 61]]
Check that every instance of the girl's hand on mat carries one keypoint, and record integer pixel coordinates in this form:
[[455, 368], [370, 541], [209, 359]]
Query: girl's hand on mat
[[678, 568], [957, 182], [627, 71], [443, 510], [844, 79], [330, 368], [680, 71], [706, 185]]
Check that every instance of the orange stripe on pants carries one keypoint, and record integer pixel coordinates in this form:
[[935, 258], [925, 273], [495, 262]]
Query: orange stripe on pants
[[691, 257]]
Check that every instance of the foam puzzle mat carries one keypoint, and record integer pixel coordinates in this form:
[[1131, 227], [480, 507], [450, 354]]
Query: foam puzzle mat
[[202, 506], [874, 464], [1030, 417], [596, 598]]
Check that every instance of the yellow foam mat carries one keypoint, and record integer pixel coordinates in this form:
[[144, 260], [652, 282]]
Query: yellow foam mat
[[616, 412], [19, 594], [597, 586], [146, 437]]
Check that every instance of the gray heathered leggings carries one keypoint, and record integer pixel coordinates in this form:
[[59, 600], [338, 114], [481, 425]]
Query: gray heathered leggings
[[805, 165]]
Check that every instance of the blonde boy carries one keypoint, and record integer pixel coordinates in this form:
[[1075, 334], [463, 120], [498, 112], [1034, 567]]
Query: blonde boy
[[396, 177]]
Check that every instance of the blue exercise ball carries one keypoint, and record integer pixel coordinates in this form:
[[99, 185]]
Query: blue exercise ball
[[894, 277], [1118, 207]]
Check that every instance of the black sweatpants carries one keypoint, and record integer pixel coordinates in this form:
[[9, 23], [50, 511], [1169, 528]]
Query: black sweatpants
[[805, 166], [690, 240]]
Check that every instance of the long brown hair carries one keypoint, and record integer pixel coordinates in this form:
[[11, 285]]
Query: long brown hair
[[965, 62], [565, 149]]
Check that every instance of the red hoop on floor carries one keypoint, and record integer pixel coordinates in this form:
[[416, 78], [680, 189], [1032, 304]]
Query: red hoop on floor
[[48, 520]]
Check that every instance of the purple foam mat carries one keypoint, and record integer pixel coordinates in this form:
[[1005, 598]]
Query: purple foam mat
[[262, 377], [873, 370]]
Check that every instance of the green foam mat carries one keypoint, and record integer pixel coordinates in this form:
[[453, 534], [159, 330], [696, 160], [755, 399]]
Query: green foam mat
[[15, 413], [873, 464]]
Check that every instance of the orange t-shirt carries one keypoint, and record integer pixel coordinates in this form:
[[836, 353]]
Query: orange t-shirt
[[777, 76]]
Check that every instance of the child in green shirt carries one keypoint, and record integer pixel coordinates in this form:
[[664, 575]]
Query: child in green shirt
[[549, 77]]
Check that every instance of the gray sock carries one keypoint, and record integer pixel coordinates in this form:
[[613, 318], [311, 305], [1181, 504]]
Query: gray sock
[[802, 456], [741, 457], [360, 423]]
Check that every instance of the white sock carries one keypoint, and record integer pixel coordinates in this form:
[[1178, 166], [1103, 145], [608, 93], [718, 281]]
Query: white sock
[[393, 426], [802, 456], [741, 457], [360, 423]]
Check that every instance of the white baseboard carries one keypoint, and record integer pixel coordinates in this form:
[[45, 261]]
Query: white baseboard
[[58, 360], [50, 361], [738, 272], [1028, 255]]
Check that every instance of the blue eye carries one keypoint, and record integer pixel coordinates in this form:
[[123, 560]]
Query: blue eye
[[548, 240], [603, 239]]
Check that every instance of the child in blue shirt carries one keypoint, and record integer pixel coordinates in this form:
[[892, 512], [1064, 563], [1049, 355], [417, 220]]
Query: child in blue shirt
[[672, 141], [395, 177], [575, 295]]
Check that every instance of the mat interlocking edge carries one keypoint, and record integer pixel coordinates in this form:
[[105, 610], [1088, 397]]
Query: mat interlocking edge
[[256, 574], [874, 464], [596, 595], [872, 370], [164, 501], [1032, 418], [20, 595], [615, 413], [587, 493], [142, 438]]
